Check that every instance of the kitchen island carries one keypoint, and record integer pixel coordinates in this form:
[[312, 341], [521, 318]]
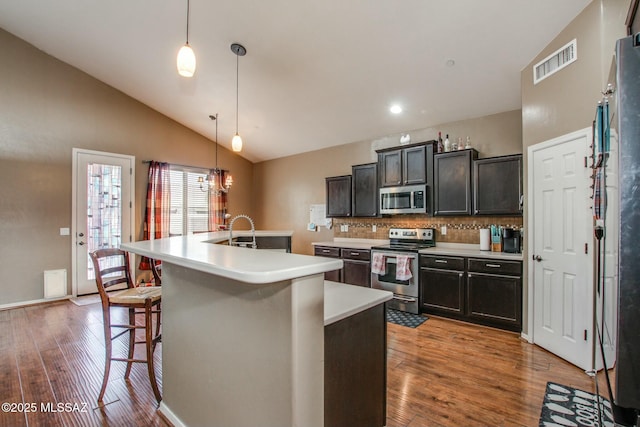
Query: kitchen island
[[244, 331]]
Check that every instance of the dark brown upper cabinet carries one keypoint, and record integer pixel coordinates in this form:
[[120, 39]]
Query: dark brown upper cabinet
[[497, 185], [364, 190], [338, 196], [453, 186], [405, 166]]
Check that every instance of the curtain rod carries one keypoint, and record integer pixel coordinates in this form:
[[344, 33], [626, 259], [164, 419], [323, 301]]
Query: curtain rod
[[186, 166]]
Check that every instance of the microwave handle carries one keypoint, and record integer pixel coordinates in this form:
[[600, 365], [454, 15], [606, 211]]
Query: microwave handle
[[413, 201]]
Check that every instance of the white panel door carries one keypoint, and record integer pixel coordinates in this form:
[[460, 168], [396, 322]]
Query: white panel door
[[559, 229], [103, 194]]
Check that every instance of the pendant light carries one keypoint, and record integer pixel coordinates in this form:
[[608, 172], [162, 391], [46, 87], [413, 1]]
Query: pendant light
[[239, 50], [214, 179], [186, 58]]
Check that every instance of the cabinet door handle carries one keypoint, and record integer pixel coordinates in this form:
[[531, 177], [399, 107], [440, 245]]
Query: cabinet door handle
[[325, 251], [355, 253], [441, 261], [493, 265]]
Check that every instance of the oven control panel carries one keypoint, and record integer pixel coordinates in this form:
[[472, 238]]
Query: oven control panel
[[411, 233]]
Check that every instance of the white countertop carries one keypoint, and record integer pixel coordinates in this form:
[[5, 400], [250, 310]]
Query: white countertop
[[342, 300], [468, 250], [454, 249], [345, 242], [197, 252]]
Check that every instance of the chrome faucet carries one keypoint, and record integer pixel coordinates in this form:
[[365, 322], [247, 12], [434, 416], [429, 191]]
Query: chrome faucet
[[253, 231]]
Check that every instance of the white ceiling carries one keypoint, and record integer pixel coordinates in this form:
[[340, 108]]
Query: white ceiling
[[316, 73]]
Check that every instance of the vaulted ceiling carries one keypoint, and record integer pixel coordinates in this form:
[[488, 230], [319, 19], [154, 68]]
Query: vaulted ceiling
[[316, 73]]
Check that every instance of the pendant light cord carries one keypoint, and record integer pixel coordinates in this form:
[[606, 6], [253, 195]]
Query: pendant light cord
[[187, 21], [215, 119], [237, 86]]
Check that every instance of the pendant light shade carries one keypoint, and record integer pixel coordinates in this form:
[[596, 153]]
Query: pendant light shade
[[236, 143], [239, 50], [186, 61]]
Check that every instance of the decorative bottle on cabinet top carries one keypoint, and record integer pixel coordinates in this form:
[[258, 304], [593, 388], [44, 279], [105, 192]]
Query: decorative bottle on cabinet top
[[447, 144], [440, 146]]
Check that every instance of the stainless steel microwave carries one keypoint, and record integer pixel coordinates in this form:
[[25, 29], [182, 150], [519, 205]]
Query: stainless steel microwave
[[403, 200]]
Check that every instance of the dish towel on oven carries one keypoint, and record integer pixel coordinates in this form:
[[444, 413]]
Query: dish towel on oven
[[378, 264], [403, 268]]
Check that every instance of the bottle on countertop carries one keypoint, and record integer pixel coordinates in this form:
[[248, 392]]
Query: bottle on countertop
[[468, 145], [447, 144], [440, 146], [460, 144]]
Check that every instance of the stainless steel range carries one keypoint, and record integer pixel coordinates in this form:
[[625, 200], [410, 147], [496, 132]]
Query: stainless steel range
[[395, 267]]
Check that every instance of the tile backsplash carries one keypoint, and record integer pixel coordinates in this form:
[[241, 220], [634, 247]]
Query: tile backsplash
[[465, 229]]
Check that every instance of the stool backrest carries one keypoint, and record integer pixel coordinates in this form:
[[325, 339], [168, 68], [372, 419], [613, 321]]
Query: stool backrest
[[111, 267]]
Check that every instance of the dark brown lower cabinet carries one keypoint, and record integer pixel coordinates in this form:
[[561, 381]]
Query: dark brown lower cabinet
[[494, 293], [478, 290], [442, 285], [355, 373], [329, 252], [445, 297], [357, 267]]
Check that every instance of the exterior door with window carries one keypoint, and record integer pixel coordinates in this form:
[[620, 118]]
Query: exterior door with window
[[103, 195]]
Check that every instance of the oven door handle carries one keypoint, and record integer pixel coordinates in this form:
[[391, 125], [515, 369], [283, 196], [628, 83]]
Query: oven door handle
[[404, 299], [391, 259]]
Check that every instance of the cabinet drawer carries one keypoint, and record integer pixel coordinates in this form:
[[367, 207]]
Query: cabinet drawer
[[361, 254], [327, 251], [495, 266], [442, 262]]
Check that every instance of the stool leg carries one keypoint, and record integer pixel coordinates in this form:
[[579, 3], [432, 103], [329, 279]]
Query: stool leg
[[159, 309], [148, 323], [132, 341], [107, 351]]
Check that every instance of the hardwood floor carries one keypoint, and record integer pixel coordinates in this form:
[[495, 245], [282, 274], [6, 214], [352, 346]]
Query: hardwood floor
[[444, 373]]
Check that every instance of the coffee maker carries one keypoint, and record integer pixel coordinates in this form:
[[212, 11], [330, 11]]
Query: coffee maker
[[511, 240]]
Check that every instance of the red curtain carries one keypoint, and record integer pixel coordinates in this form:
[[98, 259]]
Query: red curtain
[[156, 217], [217, 205]]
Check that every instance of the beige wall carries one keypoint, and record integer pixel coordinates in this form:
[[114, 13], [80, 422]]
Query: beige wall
[[285, 188], [46, 109], [566, 101]]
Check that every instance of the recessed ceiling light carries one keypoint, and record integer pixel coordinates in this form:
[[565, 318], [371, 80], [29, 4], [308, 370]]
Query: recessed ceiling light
[[450, 63], [396, 109]]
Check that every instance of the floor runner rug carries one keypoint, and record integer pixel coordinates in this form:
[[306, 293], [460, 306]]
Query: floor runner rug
[[564, 406], [403, 318]]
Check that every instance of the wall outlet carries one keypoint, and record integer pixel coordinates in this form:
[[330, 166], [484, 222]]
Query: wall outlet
[[443, 230], [374, 228], [64, 231]]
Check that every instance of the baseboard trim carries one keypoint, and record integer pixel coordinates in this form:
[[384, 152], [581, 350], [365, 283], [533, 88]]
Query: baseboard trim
[[526, 337], [169, 416], [32, 302]]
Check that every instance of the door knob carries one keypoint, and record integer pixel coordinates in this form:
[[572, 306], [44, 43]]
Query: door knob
[[81, 243], [537, 258], [81, 234]]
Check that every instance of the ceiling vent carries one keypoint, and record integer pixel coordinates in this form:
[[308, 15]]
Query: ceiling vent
[[555, 62]]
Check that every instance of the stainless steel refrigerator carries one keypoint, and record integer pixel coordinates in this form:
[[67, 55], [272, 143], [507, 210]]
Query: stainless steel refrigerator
[[627, 90]]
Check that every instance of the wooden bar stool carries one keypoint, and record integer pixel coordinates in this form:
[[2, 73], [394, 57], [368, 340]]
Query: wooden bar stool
[[112, 268], [156, 270]]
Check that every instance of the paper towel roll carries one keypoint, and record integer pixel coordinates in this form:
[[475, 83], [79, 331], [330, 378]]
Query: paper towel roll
[[485, 239]]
